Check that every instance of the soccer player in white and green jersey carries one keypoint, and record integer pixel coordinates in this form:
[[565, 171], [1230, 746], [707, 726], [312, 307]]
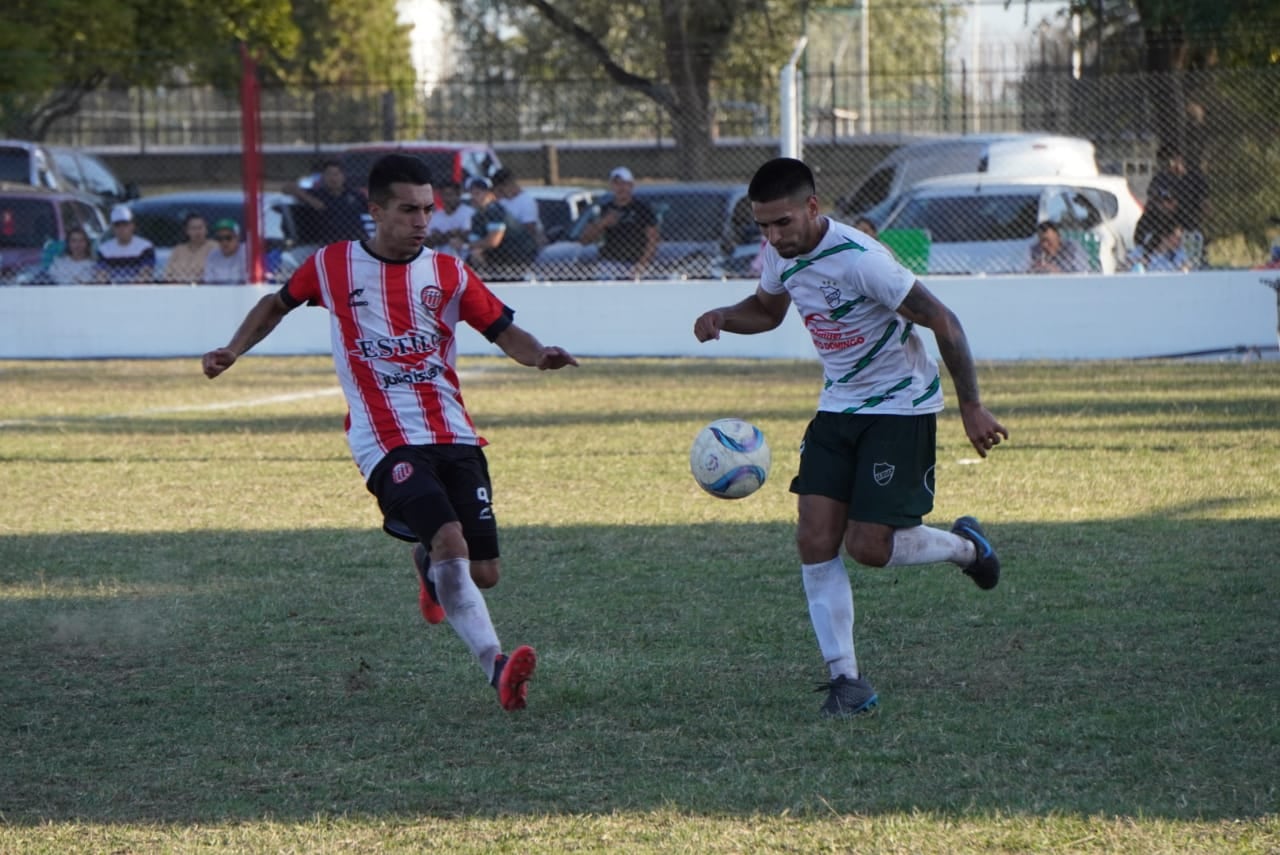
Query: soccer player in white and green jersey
[[867, 461]]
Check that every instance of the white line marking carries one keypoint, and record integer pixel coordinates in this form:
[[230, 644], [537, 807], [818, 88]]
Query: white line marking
[[190, 408]]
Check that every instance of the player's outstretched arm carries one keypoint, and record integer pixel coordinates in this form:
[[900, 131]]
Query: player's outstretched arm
[[758, 313], [257, 325], [524, 348], [921, 307]]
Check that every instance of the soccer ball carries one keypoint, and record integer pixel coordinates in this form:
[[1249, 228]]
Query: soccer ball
[[730, 458]]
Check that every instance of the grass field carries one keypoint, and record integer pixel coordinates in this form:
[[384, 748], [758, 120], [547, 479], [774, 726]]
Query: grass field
[[206, 643]]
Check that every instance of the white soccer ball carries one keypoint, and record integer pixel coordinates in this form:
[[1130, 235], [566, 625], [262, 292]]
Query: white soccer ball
[[730, 458]]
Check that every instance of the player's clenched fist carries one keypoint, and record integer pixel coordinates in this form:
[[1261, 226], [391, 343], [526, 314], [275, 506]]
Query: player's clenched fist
[[708, 325], [217, 361]]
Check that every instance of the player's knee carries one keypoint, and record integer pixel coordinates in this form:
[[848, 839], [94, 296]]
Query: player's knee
[[485, 573], [449, 543], [815, 546], [869, 552]]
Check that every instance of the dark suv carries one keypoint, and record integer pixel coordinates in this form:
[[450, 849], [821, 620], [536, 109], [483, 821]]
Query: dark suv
[[33, 227]]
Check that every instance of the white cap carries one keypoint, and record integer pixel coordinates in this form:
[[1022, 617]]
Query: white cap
[[121, 214], [622, 174]]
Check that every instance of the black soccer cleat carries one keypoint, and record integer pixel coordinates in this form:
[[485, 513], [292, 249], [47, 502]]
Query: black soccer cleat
[[985, 569], [847, 697]]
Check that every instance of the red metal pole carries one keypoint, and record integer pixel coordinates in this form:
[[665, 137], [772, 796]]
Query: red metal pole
[[251, 163]]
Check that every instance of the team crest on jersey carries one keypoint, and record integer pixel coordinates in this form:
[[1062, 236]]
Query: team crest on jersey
[[431, 297], [401, 472], [883, 473], [830, 293]]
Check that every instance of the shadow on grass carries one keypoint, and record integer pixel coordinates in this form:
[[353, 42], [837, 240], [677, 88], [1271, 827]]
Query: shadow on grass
[[1122, 668]]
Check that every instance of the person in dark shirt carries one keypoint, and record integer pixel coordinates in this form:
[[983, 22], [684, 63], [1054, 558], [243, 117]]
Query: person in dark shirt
[[629, 228], [501, 248], [333, 211]]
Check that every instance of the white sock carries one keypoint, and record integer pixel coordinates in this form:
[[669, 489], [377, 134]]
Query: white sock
[[830, 595], [465, 609], [922, 544]]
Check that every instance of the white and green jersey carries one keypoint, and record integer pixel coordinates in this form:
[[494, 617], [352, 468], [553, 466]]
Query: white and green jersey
[[847, 291]]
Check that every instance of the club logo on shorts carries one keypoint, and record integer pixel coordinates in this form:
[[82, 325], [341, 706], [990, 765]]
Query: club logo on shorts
[[883, 473], [401, 472]]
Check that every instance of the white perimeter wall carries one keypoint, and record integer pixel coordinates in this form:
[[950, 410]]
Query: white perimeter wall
[[1006, 318]]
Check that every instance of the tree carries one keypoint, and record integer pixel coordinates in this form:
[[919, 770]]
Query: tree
[[54, 52], [679, 54], [57, 51]]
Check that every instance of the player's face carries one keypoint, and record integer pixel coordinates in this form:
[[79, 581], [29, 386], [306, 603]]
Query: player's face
[[402, 222], [791, 225]]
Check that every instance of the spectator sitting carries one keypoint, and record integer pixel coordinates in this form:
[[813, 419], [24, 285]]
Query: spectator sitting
[[629, 228], [333, 211], [75, 266], [186, 262], [864, 225], [126, 257], [450, 223], [522, 207], [228, 265], [1162, 252], [1053, 254], [500, 247]]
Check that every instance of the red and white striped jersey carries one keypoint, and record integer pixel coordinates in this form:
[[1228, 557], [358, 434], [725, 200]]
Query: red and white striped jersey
[[392, 332]]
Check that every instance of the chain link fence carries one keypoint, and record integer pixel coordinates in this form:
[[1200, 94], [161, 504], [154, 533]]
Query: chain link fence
[[561, 139]]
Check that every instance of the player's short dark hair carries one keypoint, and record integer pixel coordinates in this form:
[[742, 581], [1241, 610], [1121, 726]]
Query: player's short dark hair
[[392, 169], [781, 178]]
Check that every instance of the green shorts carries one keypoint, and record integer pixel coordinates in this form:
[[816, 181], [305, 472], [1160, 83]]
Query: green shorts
[[880, 466]]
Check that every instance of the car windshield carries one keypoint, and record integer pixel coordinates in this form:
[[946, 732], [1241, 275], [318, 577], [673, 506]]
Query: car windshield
[[27, 223], [161, 222], [688, 216], [972, 219], [356, 164], [15, 165]]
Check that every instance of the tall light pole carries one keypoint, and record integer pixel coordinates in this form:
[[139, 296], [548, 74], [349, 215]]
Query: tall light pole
[[864, 63]]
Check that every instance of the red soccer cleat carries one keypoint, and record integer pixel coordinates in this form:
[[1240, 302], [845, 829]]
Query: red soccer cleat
[[427, 602], [511, 675]]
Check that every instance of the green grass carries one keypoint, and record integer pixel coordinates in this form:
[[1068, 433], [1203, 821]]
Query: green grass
[[206, 644]]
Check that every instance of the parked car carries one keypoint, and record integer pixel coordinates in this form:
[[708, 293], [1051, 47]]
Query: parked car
[[87, 173], [160, 220], [706, 231], [560, 206], [30, 164], [998, 155], [977, 224], [34, 222]]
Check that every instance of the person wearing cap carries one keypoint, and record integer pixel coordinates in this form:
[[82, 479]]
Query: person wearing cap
[[627, 229], [522, 207], [229, 263], [125, 256], [500, 247]]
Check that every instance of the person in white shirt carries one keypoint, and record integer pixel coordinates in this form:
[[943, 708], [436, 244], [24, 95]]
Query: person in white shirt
[[228, 264], [76, 266], [450, 222], [522, 207], [126, 257]]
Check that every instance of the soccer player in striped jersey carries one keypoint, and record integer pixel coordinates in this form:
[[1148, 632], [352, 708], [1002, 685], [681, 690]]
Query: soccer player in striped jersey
[[393, 308], [867, 458]]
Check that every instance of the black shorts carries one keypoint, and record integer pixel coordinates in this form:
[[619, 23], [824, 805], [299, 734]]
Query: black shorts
[[880, 466], [422, 487]]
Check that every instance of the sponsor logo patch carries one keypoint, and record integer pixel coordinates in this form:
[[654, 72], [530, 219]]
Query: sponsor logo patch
[[401, 472]]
